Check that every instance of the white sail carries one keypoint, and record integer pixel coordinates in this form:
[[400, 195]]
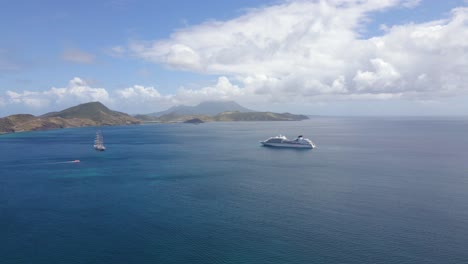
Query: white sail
[[99, 141]]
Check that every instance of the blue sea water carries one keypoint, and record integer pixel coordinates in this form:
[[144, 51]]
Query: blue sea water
[[376, 190]]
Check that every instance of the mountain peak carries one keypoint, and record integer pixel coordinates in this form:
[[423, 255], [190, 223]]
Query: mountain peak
[[95, 105], [93, 110], [87, 114], [210, 108], [225, 104]]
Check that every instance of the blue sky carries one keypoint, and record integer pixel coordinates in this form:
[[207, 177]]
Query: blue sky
[[36, 33], [144, 56]]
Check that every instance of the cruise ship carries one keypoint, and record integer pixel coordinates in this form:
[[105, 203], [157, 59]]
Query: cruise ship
[[282, 141]]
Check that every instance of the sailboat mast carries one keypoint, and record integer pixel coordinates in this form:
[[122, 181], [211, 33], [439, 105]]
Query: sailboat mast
[[99, 141]]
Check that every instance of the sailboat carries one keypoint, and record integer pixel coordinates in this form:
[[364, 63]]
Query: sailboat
[[99, 141]]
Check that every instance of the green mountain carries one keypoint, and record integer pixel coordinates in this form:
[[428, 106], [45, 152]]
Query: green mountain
[[209, 108], [216, 111], [194, 121], [96, 112], [225, 117], [88, 114]]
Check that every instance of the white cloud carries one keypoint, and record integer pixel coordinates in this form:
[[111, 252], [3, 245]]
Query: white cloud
[[77, 56], [77, 91], [313, 49], [30, 99], [385, 76], [294, 52], [134, 99], [411, 3], [116, 51], [141, 99], [223, 89], [140, 92]]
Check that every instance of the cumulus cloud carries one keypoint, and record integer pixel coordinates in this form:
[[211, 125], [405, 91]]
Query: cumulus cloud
[[293, 52], [148, 99], [141, 99], [77, 91], [134, 99], [77, 56], [314, 49], [30, 99], [384, 76], [223, 89], [140, 92]]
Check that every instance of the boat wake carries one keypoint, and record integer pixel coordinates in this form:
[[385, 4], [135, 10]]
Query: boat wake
[[45, 163], [62, 162]]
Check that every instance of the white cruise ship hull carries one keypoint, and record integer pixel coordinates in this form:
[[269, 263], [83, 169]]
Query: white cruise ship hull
[[287, 145]]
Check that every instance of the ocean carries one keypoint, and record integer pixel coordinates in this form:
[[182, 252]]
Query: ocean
[[375, 190]]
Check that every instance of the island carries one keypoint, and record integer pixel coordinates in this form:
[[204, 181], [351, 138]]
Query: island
[[216, 111], [88, 114], [97, 114], [194, 121]]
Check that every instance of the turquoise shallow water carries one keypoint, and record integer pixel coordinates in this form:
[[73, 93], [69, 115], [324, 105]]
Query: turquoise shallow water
[[374, 191]]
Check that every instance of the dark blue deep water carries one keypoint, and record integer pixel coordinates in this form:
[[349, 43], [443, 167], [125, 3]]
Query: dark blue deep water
[[376, 190]]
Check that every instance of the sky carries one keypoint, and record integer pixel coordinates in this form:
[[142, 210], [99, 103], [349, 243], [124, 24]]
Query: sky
[[328, 57]]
